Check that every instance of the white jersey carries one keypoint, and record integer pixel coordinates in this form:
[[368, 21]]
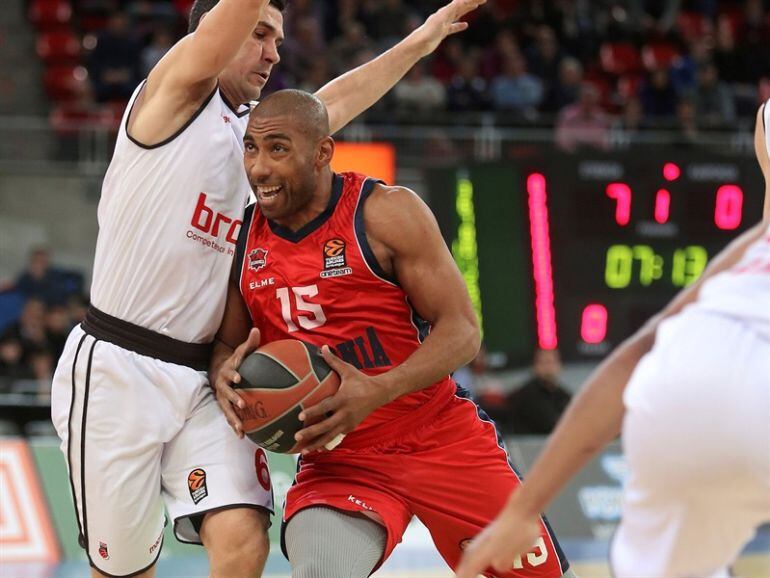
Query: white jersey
[[169, 217], [743, 291]]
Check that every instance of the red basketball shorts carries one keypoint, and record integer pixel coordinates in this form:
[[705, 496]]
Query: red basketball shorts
[[450, 471]]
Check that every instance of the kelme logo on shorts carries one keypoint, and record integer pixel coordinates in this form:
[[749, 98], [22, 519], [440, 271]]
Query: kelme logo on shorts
[[196, 481]]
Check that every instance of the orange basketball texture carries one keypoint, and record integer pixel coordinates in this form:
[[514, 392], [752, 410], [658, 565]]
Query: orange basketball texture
[[278, 381]]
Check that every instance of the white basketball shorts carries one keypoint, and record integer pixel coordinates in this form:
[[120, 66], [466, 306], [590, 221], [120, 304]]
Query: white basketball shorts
[[697, 438], [139, 433]]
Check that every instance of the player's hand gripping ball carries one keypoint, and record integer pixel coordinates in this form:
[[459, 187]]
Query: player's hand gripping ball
[[278, 381]]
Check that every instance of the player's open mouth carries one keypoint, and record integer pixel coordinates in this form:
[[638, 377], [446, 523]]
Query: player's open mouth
[[266, 193]]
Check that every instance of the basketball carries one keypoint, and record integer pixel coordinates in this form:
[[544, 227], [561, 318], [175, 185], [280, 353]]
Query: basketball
[[278, 381]]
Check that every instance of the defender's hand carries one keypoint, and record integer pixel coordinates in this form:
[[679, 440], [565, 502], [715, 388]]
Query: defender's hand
[[512, 534], [443, 23], [358, 396], [228, 375]]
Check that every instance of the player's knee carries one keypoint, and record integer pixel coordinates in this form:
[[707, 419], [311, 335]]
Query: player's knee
[[236, 542]]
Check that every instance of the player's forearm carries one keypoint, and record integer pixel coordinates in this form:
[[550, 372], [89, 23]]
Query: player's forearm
[[447, 347], [219, 37], [347, 96], [592, 420]]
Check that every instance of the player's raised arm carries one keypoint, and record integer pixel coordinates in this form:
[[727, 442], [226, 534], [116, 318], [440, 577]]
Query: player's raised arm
[[593, 419], [349, 95], [408, 245], [189, 72]]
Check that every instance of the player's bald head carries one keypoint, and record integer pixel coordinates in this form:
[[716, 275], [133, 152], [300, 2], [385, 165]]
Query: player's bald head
[[304, 111]]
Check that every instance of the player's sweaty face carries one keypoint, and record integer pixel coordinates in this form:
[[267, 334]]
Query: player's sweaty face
[[278, 157], [247, 74]]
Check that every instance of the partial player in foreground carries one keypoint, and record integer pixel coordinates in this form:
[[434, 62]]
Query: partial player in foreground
[[139, 424], [345, 261], [691, 390]]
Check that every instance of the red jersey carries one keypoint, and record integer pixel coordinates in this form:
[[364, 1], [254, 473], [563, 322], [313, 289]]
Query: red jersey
[[322, 284]]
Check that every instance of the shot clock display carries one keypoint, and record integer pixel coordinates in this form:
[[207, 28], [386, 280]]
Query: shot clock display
[[608, 240]]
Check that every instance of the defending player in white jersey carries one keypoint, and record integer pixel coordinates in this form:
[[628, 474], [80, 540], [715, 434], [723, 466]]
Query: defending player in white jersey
[[140, 426], [691, 390]]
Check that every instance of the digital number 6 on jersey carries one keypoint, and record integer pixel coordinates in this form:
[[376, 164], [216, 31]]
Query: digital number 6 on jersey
[[309, 315]]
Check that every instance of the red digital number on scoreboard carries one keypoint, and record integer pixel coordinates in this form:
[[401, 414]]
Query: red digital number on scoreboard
[[728, 206]]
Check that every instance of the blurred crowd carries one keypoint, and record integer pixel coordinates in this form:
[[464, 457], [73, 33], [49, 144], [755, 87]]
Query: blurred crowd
[[529, 407], [581, 65], [37, 311]]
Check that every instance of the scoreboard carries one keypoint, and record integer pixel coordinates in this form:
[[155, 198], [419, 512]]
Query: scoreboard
[[577, 251]]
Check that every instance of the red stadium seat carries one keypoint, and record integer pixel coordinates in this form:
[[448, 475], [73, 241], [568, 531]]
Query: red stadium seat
[[50, 14], [58, 47], [61, 82], [692, 25], [658, 55], [618, 58]]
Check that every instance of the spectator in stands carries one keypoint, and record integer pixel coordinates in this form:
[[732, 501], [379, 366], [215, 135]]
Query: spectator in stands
[[29, 329], [52, 285], [504, 46], [516, 90], [658, 96], [483, 386], [303, 47], [40, 280], [714, 102], [544, 56], [344, 48], [683, 72], [755, 45], [627, 128], [57, 327], [12, 366], [115, 63], [418, 92], [162, 41], [579, 27], [536, 406], [726, 56], [657, 17], [583, 124], [566, 89], [468, 90], [446, 62], [41, 364], [687, 123], [387, 22]]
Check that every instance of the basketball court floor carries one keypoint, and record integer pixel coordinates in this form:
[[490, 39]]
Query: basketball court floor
[[413, 558]]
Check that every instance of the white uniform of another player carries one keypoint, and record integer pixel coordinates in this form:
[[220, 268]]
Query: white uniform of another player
[[697, 430], [139, 425]]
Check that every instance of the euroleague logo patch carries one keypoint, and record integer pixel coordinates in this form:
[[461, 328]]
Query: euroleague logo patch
[[335, 262], [257, 259], [196, 482]]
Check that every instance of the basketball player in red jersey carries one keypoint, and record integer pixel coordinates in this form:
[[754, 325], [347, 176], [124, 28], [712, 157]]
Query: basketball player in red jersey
[[354, 266], [173, 194]]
